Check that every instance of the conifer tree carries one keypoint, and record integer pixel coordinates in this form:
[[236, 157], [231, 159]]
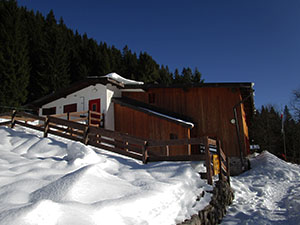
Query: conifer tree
[[14, 64], [55, 74], [130, 64], [177, 77], [187, 75], [197, 76], [35, 30], [147, 68]]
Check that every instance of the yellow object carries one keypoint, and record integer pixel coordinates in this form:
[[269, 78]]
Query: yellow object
[[216, 164]]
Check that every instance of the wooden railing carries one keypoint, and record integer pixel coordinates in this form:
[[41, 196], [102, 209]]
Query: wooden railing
[[125, 144], [89, 117]]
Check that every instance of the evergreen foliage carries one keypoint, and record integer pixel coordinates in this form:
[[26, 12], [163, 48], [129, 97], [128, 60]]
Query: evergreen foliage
[[39, 55], [267, 132], [14, 60], [296, 103]]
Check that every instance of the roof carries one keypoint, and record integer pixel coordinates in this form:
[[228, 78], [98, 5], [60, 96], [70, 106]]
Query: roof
[[154, 111], [73, 88], [203, 85], [246, 90]]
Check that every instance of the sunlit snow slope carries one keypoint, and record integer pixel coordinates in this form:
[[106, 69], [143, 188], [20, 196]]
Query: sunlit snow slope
[[52, 181], [269, 193]]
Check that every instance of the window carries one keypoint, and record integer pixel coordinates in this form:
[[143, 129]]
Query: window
[[151, 98], [70, 108], [94, 107], [49, 111], [173, 136]]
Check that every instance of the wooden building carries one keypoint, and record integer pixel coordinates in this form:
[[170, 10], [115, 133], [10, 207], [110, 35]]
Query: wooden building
[[158, 112], [222, 110]]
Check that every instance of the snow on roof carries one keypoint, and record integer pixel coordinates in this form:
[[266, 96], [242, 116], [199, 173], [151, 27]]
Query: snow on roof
[[169, 117], [121, 79]]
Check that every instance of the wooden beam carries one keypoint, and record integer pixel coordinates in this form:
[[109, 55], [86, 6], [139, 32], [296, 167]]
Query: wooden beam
[[158, 143], [28, 115], [116, 135], [116, 150], [67, 123], [208, 161], [221, 177], [46, 126], [6, 123], [86, 135], [13, 118], [176, 158], [24, 124], [57, 133], [189, 145]]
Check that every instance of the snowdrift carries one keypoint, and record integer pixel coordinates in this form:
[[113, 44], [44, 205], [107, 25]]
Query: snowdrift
[[269, 193], [56, 181]]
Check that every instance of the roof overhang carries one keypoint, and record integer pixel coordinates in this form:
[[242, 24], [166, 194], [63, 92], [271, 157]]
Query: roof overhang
[[73, 88], [154, 111]]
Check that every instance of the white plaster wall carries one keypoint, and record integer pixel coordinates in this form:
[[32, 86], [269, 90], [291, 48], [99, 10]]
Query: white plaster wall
[[82, 97], [112, 91]]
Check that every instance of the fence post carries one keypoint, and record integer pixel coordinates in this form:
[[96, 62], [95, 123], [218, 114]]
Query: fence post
[[221, 176], [102, 120], [208, 161], [46, 128], [145, 152], [189, 145], [86, 135], [228, 168], [13, 118], [89, 117]]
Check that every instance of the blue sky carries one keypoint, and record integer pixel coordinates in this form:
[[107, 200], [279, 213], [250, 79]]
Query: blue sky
[[228, 41]]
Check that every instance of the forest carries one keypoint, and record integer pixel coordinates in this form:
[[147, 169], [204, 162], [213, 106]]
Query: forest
[[40, 55], [278, 132]]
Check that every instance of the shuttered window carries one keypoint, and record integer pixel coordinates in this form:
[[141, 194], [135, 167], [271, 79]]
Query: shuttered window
[[70, 108], [49, 111]]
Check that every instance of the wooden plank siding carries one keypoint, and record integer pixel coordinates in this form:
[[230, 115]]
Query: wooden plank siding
[[211, 109], [146, 126]]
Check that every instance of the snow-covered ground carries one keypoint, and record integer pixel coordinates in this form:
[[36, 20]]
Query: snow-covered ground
[[54, 181], [269, 193]]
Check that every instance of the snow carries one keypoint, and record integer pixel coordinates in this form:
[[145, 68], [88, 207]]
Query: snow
[[269, 193], [169, 117], [56, 181], [123, 80]]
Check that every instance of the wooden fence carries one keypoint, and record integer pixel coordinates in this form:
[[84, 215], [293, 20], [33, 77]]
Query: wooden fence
[[89, 117], [125, 144]]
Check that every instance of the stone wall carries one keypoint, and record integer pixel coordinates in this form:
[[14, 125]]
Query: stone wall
[[215, 211], [236, 167]]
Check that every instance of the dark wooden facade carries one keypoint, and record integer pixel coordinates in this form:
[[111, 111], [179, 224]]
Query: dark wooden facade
[[151, 127], [211, 110]]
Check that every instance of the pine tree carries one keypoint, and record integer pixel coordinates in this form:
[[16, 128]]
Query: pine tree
[[197, 76], [147, 68], [266, 130], [55, 74], [177, 77], [130, 64], [290, 132], [187, 75], [14, 62], [165, 77]]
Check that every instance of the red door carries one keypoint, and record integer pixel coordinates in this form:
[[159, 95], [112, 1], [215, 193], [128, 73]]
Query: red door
[[94, 105]]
